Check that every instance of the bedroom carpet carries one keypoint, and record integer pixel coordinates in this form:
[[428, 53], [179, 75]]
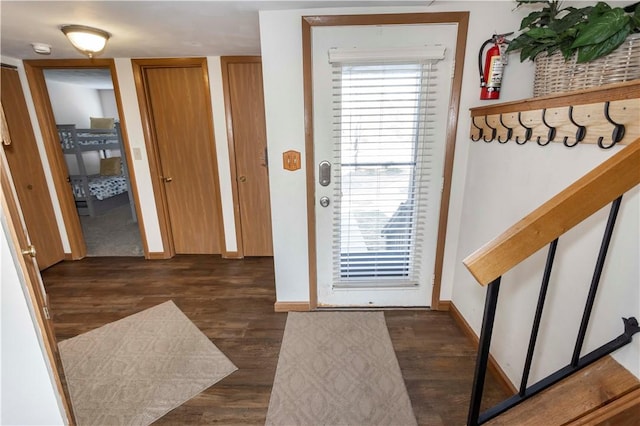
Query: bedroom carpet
[[135, 370], [113, 233], [338, 368]]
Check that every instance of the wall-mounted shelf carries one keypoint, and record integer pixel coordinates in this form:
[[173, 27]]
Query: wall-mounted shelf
[[605, 115]]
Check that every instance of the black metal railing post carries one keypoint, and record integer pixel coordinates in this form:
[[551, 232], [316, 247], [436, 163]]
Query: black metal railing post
[[536, 319], [482, 359], [606, 239]]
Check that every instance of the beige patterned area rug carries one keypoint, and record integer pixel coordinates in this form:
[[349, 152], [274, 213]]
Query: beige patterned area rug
[[338, 368], [135, 370]]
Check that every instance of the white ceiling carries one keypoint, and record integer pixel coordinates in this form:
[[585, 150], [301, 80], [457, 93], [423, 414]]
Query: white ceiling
[[149, 28]]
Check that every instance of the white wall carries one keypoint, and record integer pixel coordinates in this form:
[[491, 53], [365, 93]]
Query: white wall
[[108, 103], [222, 151], [504, 183], [27, 391], [138, 153], [280, 34], [74, 104]]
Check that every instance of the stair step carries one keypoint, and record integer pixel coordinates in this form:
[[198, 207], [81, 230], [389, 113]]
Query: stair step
[[624, 411], [585, 392]]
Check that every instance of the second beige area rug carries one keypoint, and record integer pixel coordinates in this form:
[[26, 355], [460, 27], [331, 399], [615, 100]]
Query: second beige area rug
[[135, 370], [338, 368]]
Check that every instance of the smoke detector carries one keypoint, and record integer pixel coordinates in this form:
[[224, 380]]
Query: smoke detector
[[41, 48]]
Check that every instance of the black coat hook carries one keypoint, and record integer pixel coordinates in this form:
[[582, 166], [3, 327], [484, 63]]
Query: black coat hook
[[509, 132], [528, 131], [552, 130], [581, 131], [480, 130], [493, 131], [618, 130]]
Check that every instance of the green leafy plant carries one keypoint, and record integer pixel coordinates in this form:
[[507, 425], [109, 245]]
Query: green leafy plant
[[592, 31]]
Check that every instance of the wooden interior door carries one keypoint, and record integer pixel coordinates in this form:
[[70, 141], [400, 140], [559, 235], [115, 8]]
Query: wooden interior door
[[180, 109], [36, 295], [28, 176], [247, 135]]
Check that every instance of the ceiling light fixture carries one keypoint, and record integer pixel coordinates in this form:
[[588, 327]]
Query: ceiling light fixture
[[89, 41]]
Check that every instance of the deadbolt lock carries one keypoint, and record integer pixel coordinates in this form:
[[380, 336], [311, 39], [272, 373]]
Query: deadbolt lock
[[324, 173]]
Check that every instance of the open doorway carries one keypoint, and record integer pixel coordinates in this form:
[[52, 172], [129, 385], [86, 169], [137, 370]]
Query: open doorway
[[87, 122], [35, 71]]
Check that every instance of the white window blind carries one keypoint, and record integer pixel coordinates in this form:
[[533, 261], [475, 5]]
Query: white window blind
[[383, 143]]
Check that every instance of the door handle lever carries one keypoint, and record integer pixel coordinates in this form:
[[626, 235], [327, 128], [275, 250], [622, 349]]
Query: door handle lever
[[167, 179]]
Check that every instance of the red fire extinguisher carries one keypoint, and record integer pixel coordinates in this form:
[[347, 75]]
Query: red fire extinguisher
[[496, 59]]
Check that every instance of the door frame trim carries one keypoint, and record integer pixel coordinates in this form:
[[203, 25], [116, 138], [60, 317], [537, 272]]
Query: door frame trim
[[459, 18], [47, 123], [139, 66]]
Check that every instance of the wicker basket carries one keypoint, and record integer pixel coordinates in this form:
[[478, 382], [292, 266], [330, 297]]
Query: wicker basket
[[555, 75]]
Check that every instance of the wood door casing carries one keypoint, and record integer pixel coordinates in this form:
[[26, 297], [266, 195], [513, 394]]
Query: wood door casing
[[461, 19], [178, 98], [34, 70], [245, 108], [28, 175]]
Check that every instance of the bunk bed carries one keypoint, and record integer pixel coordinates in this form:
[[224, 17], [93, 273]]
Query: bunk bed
[[96, 193]]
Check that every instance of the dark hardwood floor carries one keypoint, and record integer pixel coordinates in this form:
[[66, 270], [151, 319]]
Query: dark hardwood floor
[[231, 301]]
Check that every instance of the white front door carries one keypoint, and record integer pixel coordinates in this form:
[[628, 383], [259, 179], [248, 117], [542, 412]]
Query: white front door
[[380, 101]]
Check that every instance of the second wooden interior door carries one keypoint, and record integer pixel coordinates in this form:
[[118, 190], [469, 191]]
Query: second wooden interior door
[[247, 134], [179, 106]]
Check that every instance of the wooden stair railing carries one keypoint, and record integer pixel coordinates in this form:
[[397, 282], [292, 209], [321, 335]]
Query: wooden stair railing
[[603, 185]]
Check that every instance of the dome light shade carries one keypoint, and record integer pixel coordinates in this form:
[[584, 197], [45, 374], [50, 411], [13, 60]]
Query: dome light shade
[[86, 39]]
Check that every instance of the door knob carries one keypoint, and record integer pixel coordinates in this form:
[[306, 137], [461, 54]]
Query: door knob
[[29, 251], [167, 179], [242, 178]]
